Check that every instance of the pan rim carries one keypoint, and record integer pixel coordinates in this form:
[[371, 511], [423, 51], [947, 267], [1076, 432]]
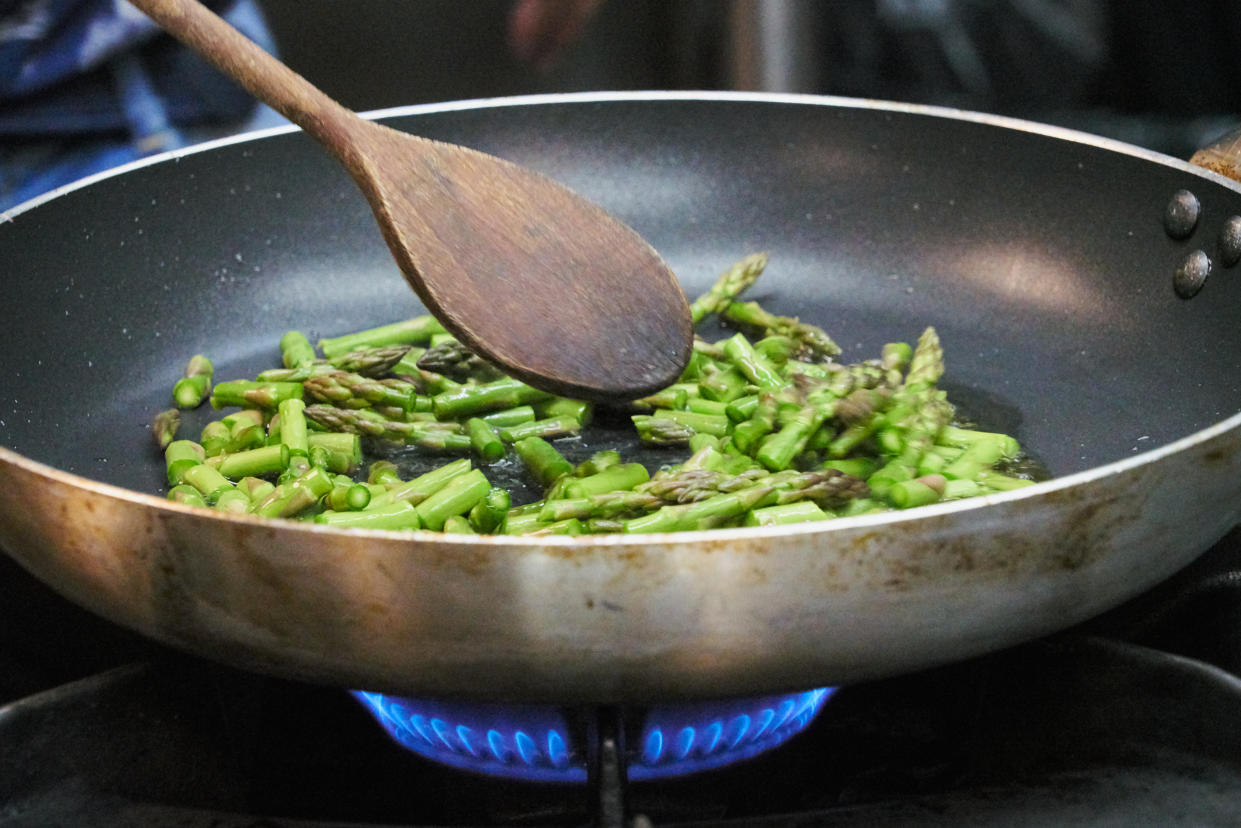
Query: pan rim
[[545, 99], [833, 526]]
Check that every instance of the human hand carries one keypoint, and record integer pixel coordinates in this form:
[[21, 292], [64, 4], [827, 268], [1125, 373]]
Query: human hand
[[539, 30]]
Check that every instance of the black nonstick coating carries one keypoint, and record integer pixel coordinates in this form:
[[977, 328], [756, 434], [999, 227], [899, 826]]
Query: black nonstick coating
[[1040, 258]]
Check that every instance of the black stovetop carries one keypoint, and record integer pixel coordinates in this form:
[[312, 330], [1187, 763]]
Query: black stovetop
[[1132, 718]]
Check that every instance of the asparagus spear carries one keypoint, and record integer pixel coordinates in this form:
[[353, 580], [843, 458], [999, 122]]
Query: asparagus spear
[[484, 439], [457, 497], [346, 390], [751, 363], [187, 494], [616, 478], [179, 456], [293, 434], [800, 512], [661, 432], [752, 414], [549, 428], [193, 388], [370, 362], [704, 514], [348, 497], [296, 350], [487, 515], [453, 359], [605, 505], [343, 450], [252, 463], [295, 496], [397, 515], [164, 427], [811, 338], [730, 284], [411, 331], [420, 488], [542, 460], [436, 436], [472, 400], [251, 394]]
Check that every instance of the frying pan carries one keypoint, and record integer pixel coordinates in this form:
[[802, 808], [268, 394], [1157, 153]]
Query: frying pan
[[1039, 255]]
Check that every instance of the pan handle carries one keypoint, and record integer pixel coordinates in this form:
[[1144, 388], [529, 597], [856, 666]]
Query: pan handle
[[1222, 156]]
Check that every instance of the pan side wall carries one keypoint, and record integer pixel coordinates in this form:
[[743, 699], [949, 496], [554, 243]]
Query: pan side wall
[[1042, 263]]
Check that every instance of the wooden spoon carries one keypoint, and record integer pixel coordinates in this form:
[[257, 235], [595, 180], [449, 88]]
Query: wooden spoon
[[522, 270]]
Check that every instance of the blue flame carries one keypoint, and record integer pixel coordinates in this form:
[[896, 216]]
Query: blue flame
[[533, 741]]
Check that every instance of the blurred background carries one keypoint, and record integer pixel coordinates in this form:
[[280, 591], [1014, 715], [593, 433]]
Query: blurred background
[[88, 84], [1165, 74]]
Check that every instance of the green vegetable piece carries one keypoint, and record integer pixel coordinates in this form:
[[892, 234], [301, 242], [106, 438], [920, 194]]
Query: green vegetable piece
[[209, 482], [860, 467], [552, 427], [343, 450], [293, 427], [978, 457], [742, 408], [251, 394], [778, 450], [352, 497], [394, 516], [488, 514], [661, 432], [750, 363], [705, 514], [997, 482], [232, 501], [458, 525], [384, 472], [180, 456], [730, 284], [189, 392], [615, 478], [195, 385], [412, 331], [906, 494], [256, 488], [801, 511], [674, 396], [579, 410], [521, 524], [457, 497], [724, 386], [484, 439], [297, 495], [164, 427], [296, 350], [717, 425], [508, 417], [472, 400], [597, 462], [252, 463], [187, 494], [420, 488], [541, 459]]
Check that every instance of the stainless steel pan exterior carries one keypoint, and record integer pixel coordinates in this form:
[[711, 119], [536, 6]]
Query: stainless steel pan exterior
[[1054, 302]]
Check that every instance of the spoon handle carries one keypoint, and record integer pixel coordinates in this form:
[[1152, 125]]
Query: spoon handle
[[244, 61]]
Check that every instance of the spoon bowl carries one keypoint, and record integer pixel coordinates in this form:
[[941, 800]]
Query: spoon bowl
[[532, 276]]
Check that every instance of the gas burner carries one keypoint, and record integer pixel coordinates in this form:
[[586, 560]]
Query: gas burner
[[540, 742]]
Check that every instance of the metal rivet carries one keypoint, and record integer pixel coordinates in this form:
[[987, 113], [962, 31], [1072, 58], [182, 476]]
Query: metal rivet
[[1191, 274], [1181, 216], [1230, 242]]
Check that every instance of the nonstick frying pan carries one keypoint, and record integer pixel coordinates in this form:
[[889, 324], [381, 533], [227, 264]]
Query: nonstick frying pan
[[1040, 255]]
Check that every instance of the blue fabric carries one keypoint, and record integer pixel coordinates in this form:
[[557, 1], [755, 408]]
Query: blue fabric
[[89, 84]]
